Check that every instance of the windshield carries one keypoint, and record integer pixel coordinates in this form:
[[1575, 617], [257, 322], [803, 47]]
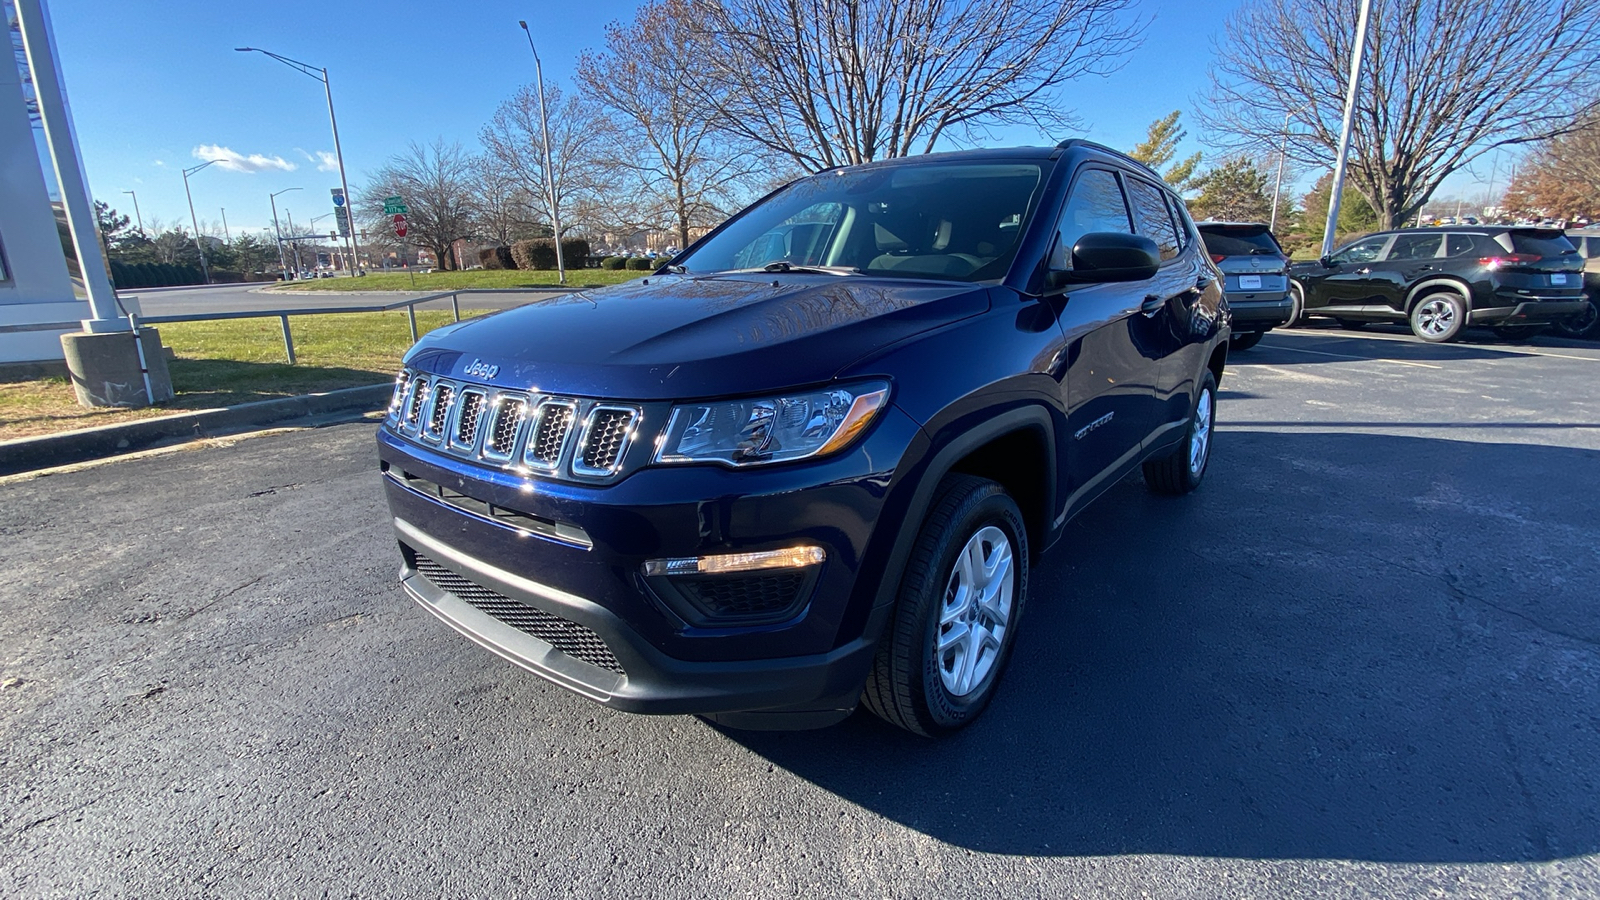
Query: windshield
[[958, 221]]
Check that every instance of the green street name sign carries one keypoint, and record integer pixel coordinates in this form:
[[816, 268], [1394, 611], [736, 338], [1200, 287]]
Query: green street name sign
[[394, 206]]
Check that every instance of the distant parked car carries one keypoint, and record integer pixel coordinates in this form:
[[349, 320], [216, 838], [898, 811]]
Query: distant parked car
[[1255, 273], [1517, 280], [1586, 324]]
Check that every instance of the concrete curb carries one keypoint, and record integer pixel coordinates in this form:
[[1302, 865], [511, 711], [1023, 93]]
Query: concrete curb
[[25, 454]]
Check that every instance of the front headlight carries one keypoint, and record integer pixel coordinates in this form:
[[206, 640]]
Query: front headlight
[[771, 429]]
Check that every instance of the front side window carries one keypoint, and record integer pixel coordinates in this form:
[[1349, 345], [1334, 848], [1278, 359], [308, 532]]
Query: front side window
[[958, 221], [1155, 222], [1415, 246], [1096, 205], [1362, 251]]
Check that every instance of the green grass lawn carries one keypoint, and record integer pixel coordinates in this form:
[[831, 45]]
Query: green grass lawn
[[472, 278], [236, 361]]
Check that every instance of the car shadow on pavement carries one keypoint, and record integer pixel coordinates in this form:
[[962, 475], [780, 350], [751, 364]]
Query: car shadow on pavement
[[1304, 347], [1344, 646]]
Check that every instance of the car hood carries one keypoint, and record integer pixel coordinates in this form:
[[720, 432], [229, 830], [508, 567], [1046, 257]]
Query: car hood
[[680, 337]]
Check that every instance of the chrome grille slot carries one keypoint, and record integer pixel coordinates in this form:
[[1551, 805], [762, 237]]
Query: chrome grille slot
[[438, 412], [552, 423], [506, 424], [419, 399], [398, 400], [464, 435], [606, 434]]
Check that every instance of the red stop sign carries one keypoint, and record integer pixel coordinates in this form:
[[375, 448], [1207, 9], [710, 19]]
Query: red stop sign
[[400, 230]]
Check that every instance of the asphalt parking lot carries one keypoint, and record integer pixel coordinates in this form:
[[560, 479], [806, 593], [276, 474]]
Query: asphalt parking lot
[[1364, 659]]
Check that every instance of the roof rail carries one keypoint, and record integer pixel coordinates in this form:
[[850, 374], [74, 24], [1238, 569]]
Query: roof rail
[[1069, 143]]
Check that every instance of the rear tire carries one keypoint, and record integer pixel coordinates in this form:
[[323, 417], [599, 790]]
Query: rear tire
[[1440, 317], [1583, 325], [1181, 471], [1245, 341], [955, 619]]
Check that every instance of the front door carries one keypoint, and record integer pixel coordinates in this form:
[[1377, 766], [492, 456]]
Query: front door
[[1111, 363], [1348, 284]]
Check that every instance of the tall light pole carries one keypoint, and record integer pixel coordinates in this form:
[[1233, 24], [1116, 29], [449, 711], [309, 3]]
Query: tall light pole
[[273, 199], [293, 243], [136, 217], [1337, 188], [549, 176], [204, 272], [1283, 152], [338, 151]]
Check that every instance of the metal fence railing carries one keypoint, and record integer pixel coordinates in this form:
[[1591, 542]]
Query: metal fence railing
[[283, 315]]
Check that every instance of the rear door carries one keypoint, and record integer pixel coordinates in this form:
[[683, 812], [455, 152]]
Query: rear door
[[1410, 258]]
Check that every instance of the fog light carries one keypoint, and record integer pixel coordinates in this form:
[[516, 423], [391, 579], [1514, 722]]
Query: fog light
[[792, 558]]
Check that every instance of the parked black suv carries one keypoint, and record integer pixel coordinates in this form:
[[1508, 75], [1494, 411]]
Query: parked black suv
[[1516, 279], [1255, 273], [812, 461]]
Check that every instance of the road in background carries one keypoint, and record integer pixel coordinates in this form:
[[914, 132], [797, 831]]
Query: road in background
[[1362, 660]]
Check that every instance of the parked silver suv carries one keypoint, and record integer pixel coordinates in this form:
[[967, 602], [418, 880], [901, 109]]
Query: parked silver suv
[[1255, 276]]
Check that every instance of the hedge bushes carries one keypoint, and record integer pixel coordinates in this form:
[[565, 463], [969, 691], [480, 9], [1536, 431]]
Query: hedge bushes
[[540, 253], [496, 258], [613, 263], [641, 264], [143, 275]]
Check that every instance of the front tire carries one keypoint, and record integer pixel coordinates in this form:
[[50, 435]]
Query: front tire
[[1439, 318], [1181, 471], [1583, 325], [1297, 305], [956, 616]]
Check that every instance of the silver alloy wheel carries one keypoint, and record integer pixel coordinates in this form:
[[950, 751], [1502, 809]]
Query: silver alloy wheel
[[1436, 316], [977, 609], [1200, 439]]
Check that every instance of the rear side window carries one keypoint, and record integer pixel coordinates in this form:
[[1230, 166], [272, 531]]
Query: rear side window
[[1238, 240], [1548, 244], [1154, 220], [1096, 204], [1459, 245], [1415, 246]]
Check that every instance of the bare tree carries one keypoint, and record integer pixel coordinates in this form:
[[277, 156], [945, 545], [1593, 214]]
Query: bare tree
[[436, 183], [504, 209], [1444, 82], [580, 140], [1561, 177], [692, 173], [837, 82]]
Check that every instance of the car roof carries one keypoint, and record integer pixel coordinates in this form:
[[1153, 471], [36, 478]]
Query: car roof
[[987, 153], [1222, 224]]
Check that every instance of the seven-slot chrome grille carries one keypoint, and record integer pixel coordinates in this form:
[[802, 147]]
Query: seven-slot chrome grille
[[555, 436]]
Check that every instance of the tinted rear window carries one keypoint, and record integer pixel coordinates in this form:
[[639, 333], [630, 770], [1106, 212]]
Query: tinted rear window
[[1237, 241], [1544, 243]]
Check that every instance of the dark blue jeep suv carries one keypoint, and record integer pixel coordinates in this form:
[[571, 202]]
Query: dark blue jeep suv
[[809, 463]]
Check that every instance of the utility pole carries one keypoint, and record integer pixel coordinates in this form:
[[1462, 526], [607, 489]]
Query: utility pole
[[226, 236], [338, 150], [136, 217], [549, 175], [204, 272], [1337, 188], [273, 199]]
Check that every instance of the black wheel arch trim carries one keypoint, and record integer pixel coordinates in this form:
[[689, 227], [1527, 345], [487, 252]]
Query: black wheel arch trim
[[1422, 288]]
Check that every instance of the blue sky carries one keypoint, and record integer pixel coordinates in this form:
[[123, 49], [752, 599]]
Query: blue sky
[[150, 82]]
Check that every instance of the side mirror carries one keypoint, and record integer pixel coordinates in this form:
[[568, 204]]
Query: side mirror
[[1106, 256], [1327, 262]]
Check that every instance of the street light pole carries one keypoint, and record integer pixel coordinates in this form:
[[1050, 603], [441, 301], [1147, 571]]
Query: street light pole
[[1337, 188], [204, 272], [226, 235], [338, 151], [273, 199], [137, 218], [549, 176], [293, 243]]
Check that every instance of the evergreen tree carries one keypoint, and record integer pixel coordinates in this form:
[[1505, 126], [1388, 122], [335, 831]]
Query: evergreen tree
[[1160, 147]]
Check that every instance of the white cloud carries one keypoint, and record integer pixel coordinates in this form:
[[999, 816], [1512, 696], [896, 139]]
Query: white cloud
[[326, 161], [235, 161]]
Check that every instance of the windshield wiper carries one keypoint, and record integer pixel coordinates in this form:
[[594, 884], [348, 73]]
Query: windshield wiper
[[782, 266]]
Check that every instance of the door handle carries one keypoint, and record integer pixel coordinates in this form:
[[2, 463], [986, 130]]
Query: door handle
[[1363, 271]]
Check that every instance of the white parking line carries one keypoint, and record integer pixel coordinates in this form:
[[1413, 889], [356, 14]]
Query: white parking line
[[1399, 362]]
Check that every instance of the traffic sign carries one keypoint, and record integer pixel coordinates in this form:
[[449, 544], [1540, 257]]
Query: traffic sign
[[342, 216], [394, 206], [338, 196], [399, 225]]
